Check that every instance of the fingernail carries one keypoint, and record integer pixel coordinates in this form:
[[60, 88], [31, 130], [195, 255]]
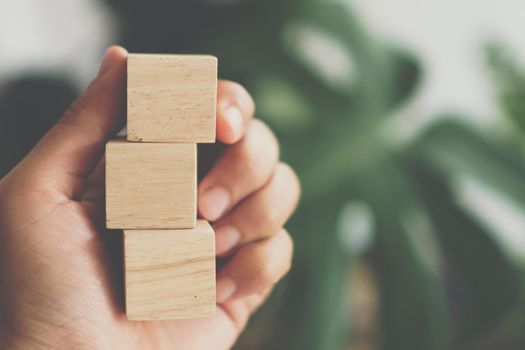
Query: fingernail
[[226, 238], [214, 202], [234, 118], [105, 65], [225, 288]]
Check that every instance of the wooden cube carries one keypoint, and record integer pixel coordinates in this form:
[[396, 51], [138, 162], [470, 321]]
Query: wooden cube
[[151, 185], [170, 274], [172, 98]]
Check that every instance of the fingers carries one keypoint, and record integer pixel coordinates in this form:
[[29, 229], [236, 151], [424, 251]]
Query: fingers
[[243, 168], [256, 267], [261, 214], [239, 311], [70, 150], [235, 109]]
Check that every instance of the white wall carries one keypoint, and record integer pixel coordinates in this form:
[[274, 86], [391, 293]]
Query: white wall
[[448, 36], [61, 35]]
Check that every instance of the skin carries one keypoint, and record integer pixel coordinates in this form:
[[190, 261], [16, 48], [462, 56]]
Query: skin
[[59, 267]]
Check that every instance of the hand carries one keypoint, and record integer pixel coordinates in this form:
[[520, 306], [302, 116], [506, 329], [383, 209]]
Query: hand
[[60, 282]]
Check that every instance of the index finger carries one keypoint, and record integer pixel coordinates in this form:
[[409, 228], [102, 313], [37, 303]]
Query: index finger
[[235, 109]]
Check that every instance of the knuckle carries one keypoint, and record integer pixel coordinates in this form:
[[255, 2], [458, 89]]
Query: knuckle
[[255, 154], [71, 118], [267, 273], [77, 108], [270, 219], [290, 248], [238, 94], [260, 134], [272, 268], [74, 116], [266, 218], [289, 180], [276, 207], [249, 150], [289, 175], [229, 86]]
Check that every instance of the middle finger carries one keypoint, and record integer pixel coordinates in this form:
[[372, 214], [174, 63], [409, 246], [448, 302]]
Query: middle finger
[[242, 169]]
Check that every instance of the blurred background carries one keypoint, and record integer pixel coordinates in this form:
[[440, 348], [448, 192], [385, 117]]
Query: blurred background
[[404, 119]]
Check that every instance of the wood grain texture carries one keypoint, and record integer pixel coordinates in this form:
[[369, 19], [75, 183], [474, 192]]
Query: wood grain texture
[[170, 274], [172, 98], [150, 185]]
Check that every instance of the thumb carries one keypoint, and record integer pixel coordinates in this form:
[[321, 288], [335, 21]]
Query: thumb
[[67, 154]]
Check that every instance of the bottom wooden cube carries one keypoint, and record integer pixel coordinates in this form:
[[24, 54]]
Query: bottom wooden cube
[[170, 274]]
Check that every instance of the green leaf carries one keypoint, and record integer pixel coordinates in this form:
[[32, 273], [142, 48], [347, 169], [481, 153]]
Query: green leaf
[[509, 79], [453, 149], [408, 262], [483, 280]]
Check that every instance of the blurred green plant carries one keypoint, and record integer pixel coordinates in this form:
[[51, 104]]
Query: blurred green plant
[[509, 79]]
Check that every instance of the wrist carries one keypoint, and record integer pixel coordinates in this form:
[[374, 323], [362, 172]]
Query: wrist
[[36, 340]]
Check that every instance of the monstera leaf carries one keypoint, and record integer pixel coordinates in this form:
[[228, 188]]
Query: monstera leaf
[[486, 268], [509, 79]]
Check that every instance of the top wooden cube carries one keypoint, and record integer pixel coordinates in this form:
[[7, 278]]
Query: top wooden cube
[[172, 98]]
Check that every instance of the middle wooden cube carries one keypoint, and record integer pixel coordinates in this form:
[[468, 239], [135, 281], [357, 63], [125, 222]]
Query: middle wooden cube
[[151, 185]]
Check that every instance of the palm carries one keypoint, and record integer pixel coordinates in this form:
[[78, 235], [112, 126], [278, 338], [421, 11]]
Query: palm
[[222, 328], [76, 281]]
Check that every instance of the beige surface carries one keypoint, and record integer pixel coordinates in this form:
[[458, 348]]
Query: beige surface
[[150, 185], [172, 98], [170, 274]]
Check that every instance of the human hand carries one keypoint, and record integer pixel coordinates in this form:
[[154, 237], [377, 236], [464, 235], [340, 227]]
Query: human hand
[[60, 269]]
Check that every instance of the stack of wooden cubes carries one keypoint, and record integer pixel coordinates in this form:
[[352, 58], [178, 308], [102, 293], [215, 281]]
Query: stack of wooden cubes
[[151, 187]]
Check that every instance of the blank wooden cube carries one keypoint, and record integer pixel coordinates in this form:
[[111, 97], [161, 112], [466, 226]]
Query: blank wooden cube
[[172, 98], [151, 185], [170, 274]]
